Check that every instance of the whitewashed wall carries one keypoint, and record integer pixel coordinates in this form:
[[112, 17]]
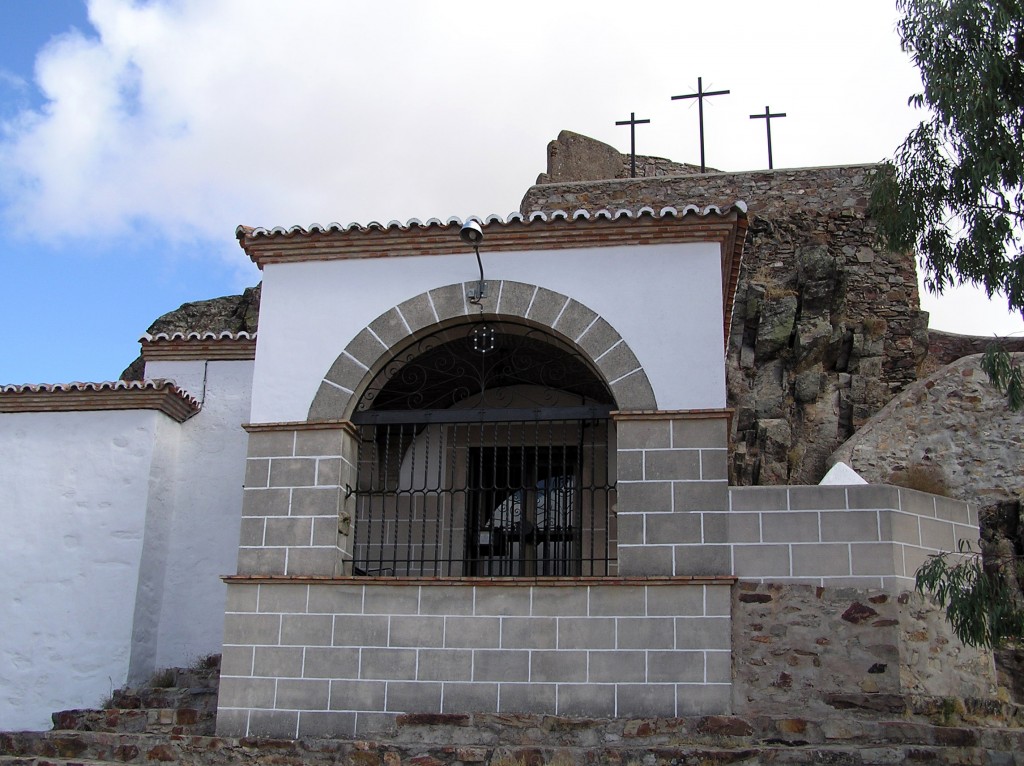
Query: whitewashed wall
[[74, 488], [202, 533], [664, 300], [117, 528]]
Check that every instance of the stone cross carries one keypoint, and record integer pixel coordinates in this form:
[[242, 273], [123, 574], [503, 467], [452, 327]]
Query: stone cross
[[632, 122], [767, 117], [700, 95]]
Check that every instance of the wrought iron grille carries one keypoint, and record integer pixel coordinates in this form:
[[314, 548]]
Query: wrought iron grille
[[479, 496]]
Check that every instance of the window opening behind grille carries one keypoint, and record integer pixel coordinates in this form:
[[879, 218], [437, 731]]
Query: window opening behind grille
[[485, 459]]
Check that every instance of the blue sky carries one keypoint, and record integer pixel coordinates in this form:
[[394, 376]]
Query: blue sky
[[135, 136]]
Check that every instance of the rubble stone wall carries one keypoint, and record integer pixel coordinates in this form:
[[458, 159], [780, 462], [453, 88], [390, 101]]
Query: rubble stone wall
[[812, 650], [827, 326]]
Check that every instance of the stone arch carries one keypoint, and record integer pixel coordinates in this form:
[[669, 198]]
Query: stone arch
[[573, 322]]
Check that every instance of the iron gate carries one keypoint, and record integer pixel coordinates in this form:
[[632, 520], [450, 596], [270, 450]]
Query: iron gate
[[498, 493]]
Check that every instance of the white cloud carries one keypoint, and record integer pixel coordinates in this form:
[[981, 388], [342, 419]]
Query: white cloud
[[187, 117], [199, 114]]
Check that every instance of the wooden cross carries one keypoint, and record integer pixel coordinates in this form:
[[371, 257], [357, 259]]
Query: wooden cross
[[632, 122], [767, 117], [700, 95]]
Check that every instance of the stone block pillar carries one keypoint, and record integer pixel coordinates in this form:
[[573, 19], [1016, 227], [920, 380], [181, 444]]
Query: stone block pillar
[[296, 518], [672, 470]]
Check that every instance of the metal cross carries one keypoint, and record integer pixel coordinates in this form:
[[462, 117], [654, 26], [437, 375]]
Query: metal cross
[[767, 117], [632, 122], [700, 95]]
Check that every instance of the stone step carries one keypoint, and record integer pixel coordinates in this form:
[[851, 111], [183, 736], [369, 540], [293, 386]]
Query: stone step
[[196, 698], [6, 760], [151, 720], [448, 740], [206, 751]]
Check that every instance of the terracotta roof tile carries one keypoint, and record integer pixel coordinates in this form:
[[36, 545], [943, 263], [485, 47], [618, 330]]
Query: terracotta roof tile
[[160, 395]]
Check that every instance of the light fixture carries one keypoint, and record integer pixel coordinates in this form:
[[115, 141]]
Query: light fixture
[[472, 234]]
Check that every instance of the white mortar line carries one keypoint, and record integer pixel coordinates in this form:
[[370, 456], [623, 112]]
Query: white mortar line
[[587, 328], [433, 308], [532, 297], [623, 377], [560, 312], [402, 317], [609, 350], [335, 385]]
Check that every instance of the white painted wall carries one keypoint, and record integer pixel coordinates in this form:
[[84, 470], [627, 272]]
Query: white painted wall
[[117, 528], [74, 488], [664, 300], [203, 531]]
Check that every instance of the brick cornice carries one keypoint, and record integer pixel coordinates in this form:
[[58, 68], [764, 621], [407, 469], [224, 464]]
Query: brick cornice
[[557, 232], [159, 395], [195, 346]]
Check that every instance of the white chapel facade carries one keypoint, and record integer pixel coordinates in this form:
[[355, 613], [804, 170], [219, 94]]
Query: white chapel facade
[[448, 493]]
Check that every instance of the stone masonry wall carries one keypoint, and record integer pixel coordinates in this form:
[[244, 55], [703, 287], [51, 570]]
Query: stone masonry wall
[[320, 657], [813, 650], [827, 327]]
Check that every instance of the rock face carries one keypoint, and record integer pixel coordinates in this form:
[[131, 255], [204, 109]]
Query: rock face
[[230, 313], [951, 433], [827, 327]]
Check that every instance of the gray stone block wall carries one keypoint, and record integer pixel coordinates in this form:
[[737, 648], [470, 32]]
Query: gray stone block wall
[[672, 469], [864, 536], [295, 511], [336, 658]]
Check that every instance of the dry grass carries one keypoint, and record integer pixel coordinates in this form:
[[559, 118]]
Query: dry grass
[[773, 289], [163, 679], [922, 477], [875, 327]]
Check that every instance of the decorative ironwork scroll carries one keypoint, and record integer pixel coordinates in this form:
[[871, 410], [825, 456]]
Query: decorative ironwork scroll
[[491, 366]]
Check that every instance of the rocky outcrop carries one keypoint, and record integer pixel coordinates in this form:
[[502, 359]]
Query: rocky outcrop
[[827, 326], [575, 157], [230, 313], [951, 434]]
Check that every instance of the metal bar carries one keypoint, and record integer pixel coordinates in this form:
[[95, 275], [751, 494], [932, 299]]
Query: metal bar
[[528, 497], [408, 417]]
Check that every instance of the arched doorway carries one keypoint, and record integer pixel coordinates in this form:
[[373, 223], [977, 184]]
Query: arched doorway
[[484, 450]]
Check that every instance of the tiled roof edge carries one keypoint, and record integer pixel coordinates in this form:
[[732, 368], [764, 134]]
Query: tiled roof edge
[[223, 346], [515, 217], [162, 395], [178, 336]]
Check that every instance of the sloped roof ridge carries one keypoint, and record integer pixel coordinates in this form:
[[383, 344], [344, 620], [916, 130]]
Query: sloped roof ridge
[[544, 217]]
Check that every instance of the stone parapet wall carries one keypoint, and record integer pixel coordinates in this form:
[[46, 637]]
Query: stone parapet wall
[[864, 536], [768, 193], [946, 347], [826, 327], [294, 501], [315, 659], [813, 651]]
